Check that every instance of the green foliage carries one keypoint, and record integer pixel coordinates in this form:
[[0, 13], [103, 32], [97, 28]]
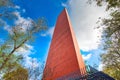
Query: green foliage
[[19, 35], [18, 74], [4, 2], [7, 8], [111, 38], [112, 72], [110, 3], [36, 72]]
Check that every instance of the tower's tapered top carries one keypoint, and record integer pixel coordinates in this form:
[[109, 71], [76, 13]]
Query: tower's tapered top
[[64, 58]]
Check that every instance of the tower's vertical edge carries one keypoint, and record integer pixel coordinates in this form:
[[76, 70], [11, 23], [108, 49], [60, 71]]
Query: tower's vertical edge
[[77, 49], [64, 60]]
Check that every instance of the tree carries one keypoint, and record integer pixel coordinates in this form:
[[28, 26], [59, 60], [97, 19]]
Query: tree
[[5, 2], [7, 7], [18, 35], [18, 74], [109, 3], [18, 38], [35, 71], [111, 38], [112, 72]]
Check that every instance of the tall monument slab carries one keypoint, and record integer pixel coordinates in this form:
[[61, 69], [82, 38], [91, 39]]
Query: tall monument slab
[[64, 60]]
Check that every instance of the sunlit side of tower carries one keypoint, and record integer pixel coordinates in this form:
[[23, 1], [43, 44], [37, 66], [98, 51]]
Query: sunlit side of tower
[[64, 60]]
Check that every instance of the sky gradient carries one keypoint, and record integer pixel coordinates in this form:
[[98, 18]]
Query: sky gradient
[[83, 18]]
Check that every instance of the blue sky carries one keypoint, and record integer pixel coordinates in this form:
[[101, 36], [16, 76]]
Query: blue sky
[[83, 18]]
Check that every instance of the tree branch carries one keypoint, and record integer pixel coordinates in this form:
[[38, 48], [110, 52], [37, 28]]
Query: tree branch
[[8, 57]]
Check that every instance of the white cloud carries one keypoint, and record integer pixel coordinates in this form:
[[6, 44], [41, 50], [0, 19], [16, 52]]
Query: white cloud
[[64, 5], [26, 52], [31, 62], [24, 10], [84, 17], [49, 32], [6, 26], [100, 67], [87, 57], [1, 41], [21, 19], [17, 7], [1, 75], [24, 22], [21, 22]]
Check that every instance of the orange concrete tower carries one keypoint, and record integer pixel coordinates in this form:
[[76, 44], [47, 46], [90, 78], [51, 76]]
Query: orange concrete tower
[[64, 60]]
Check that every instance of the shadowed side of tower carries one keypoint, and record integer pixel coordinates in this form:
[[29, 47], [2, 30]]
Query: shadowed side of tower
[[64, 60]]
